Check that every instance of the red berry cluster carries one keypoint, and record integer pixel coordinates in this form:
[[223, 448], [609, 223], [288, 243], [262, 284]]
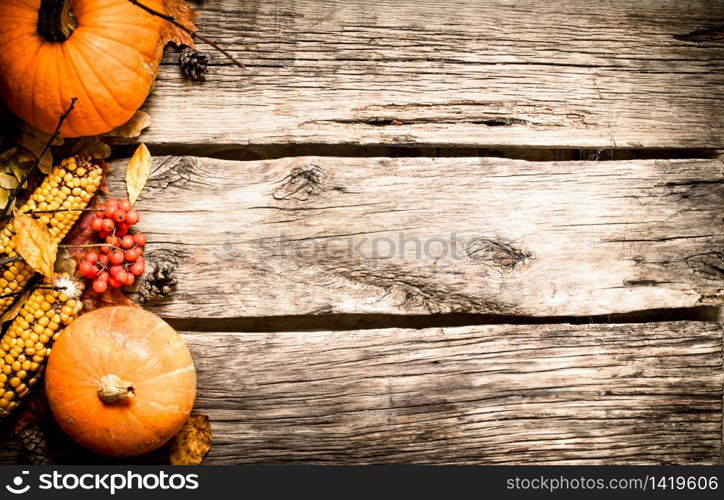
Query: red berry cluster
[[116, 218], [121, 261]]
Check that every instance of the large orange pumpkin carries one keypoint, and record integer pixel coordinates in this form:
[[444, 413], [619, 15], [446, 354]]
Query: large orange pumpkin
[[104, 52], [120, 381]]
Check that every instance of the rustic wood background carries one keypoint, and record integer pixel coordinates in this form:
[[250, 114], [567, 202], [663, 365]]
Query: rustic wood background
[[560, 158]]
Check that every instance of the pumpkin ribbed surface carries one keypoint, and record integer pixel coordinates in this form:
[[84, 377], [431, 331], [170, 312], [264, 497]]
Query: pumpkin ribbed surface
[[120, 381], [108, 62]]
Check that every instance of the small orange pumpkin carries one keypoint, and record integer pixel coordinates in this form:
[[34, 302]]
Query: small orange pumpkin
[[104, 52], [120, 381]]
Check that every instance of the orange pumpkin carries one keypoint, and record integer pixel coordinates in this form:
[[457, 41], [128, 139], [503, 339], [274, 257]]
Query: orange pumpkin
[[104, 52], [120, 381]]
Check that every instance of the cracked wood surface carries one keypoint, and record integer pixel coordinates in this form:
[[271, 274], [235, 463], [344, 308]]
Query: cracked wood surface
[[554, 73], [318, 235], [546, 394]]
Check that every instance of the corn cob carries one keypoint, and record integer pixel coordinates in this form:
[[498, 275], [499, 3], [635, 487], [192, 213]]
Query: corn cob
[[70, 186], [27, 342]]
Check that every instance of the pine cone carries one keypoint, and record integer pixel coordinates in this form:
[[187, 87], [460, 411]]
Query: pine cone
[[159, 282], [193, 64], [33, 446]]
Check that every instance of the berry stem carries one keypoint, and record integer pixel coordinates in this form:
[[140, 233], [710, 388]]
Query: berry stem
[[91, 245]]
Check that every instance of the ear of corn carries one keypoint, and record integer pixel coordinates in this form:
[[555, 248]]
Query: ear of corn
[[70, 186], [27, 342]]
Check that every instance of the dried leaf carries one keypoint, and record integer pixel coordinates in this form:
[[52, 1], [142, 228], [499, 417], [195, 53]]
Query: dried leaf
[[111, 297], [35, 244], [4, 197], [139, 168], [34, 141], [133, 127], [81, 234], [193, 441], [15, 309], [185, 16], [15, 162], [34, 410], [92, 147], [65, 263], [8, 181]]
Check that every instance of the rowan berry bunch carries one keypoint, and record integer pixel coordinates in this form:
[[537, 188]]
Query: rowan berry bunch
[[120, 261], [115, 218]]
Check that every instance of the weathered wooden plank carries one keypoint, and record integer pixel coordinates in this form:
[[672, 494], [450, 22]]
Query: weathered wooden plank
[[558, 394], [553, 73], [416, 235], [645, 393]]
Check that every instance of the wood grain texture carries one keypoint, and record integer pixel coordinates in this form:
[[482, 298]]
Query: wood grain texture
[[553, 394], [552, 73], [417, 236], [493, 394]]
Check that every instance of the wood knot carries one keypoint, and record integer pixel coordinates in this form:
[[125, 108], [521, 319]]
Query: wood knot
[[300, 184], [496, 253], [171, 172]]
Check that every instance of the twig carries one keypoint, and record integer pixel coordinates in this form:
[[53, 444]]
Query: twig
[[64, 210], [9, 216], [31, 289], [173, 21], [35, 164], [10, 260], [92, 245]]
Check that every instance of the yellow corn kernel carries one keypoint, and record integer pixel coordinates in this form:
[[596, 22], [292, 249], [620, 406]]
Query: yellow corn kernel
[[27, 350], [73, 175]]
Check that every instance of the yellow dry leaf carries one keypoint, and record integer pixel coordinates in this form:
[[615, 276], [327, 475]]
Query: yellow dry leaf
[[34, 141], [133, 127], [139, 168], [35, 244], [193, 441], [15, 309], [8, 155], [16, 161], [8, 181], [4, 197]]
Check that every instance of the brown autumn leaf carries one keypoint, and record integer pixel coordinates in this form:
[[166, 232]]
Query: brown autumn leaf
[[16, 161], [10, 314], [34, 410], [65, 263], [139, 168], [34, 243], [193, 441], [185, 16], [34, 141], [133, 127], [92, 147], [111, 297], [14, 164]]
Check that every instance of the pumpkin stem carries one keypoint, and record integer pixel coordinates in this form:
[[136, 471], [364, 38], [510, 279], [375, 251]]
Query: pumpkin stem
[[56, 22], [113, 389]]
